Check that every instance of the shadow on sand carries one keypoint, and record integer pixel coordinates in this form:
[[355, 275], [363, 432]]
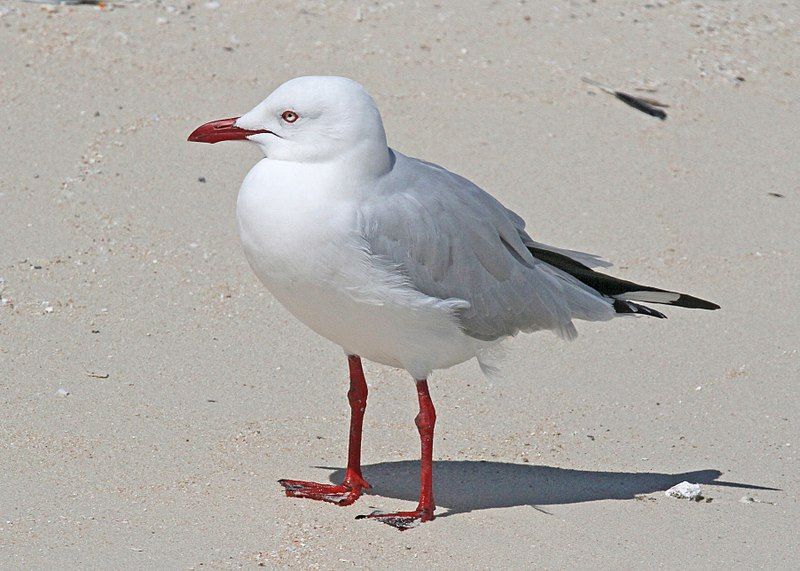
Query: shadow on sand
[[464, 486]]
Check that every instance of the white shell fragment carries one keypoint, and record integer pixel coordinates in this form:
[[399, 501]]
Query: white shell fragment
[[684, 491]]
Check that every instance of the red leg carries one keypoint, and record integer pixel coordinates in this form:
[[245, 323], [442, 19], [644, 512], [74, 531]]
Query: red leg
[[425, 421], [349, 490], [357, 396]]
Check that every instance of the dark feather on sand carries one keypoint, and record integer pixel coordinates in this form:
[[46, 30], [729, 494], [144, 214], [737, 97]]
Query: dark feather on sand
[[643, 104]]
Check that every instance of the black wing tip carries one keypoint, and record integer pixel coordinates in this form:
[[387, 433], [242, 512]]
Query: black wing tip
[[692, 302], [611, 286]]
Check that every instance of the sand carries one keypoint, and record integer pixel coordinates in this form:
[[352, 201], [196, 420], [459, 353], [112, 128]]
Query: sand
[[191, 391]]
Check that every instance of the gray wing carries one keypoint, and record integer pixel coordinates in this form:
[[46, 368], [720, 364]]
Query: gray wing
[[453, 240]]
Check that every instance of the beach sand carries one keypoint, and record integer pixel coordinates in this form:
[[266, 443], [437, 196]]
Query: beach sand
[[191, 391]]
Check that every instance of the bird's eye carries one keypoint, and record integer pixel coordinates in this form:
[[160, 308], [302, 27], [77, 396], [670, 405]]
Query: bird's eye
[[290, 116]]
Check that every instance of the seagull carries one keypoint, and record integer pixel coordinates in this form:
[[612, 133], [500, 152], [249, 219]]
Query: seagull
[[398, 260]]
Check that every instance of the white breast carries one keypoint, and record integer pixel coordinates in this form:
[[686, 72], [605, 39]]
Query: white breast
[[302, 240]]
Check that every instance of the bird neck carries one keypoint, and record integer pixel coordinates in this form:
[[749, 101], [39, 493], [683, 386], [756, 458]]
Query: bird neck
[[369, 158]]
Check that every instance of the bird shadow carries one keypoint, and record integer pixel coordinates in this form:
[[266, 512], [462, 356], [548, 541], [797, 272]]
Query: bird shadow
[[464, 486]]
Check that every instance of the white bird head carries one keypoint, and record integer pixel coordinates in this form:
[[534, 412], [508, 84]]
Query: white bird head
[[308, 120]]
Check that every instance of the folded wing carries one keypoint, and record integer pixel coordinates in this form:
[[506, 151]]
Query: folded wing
[[453, 240]]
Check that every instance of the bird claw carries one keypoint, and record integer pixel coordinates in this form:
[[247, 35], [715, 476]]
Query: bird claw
[[400, 520], [342, 495]]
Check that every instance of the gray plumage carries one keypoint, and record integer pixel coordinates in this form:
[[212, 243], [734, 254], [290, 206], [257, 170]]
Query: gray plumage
[[451, 239]]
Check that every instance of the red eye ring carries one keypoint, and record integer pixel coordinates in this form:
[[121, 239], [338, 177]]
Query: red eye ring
[[289, 116]]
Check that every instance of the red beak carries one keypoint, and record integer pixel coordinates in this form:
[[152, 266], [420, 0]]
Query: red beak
[[221, 130]]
